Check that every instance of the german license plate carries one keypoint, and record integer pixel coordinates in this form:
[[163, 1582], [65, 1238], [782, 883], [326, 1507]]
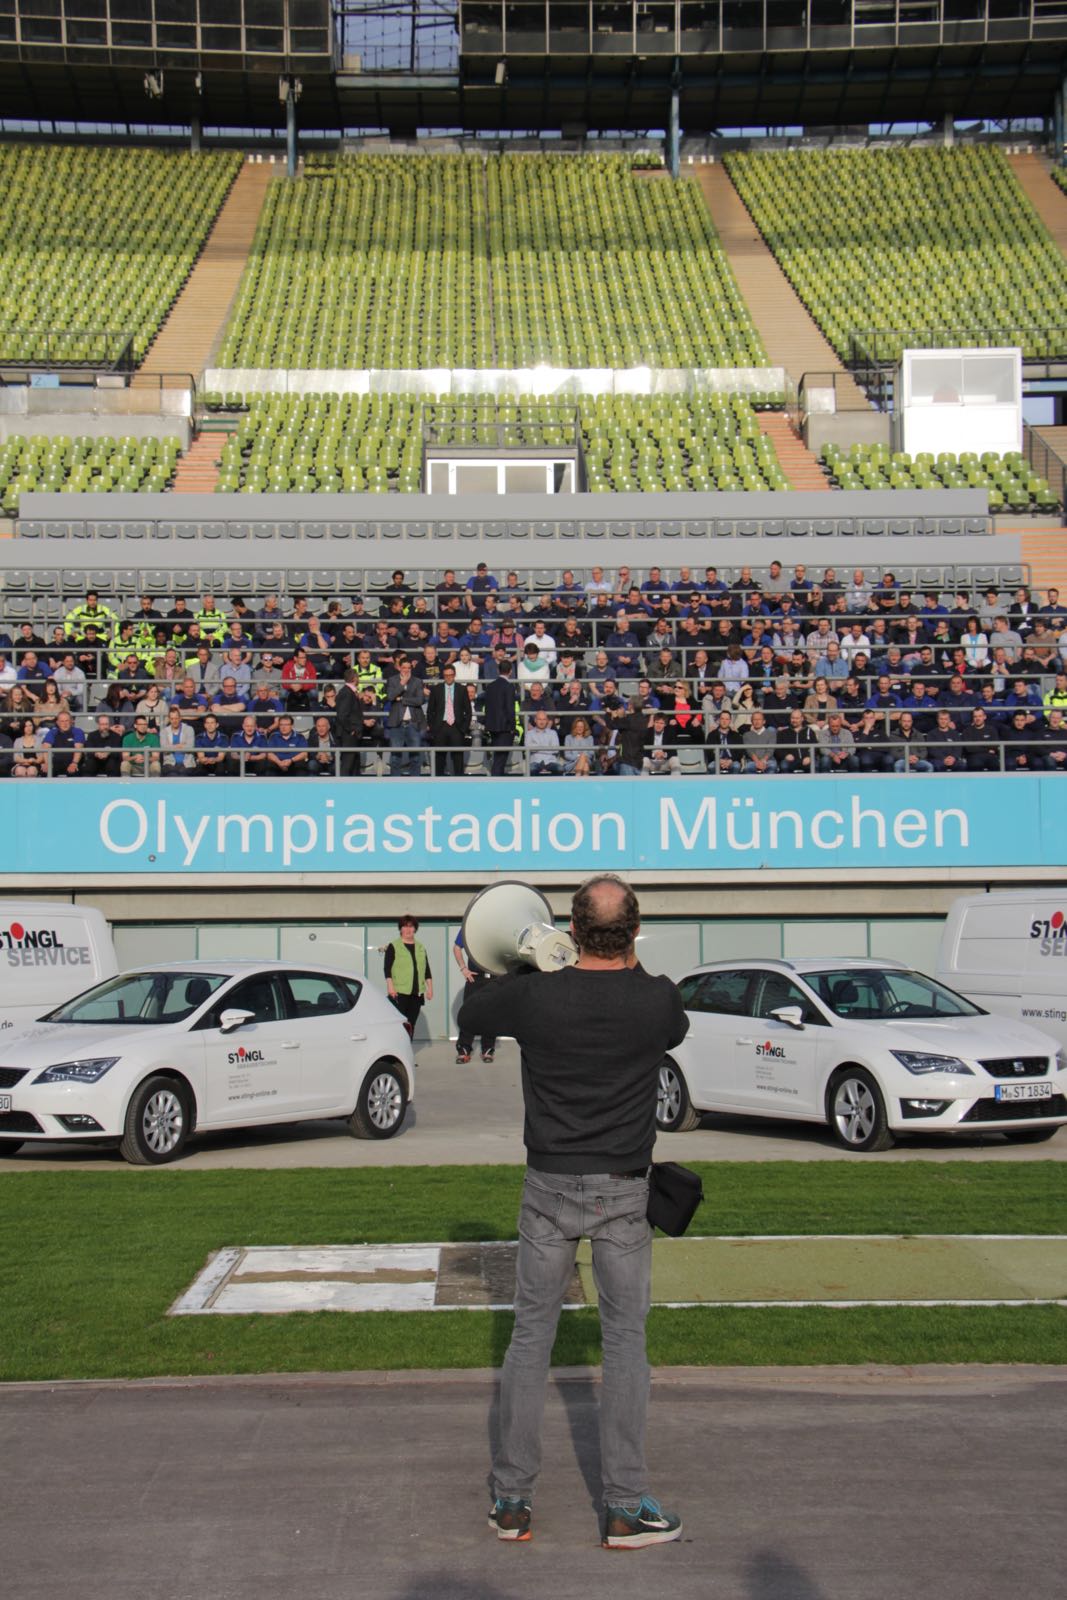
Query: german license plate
[[5, 1102], [1024, 1091]]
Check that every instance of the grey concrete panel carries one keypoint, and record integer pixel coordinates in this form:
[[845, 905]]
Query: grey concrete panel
[[537, 508], [792, 1485]]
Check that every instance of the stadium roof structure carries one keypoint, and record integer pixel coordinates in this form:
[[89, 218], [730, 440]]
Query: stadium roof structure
[[569, 66]]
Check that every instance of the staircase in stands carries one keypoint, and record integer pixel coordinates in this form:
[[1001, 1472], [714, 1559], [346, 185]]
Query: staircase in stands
[[797, 461], [198, 468]]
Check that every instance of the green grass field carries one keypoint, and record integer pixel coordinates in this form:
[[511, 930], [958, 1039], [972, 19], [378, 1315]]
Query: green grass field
[[90, 1263]]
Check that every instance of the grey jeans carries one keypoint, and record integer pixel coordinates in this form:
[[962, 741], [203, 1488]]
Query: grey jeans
[[559, 1209]]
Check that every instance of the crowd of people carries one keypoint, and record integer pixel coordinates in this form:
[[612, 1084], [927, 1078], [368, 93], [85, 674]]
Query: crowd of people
[[779, 672]]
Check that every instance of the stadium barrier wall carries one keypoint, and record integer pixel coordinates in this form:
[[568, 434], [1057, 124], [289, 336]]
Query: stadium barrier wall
[[497, 380], [277, 829]]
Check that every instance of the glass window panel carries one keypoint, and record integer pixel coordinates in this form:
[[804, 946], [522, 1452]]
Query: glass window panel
[[264, 13], [317, 995], [478, 477], [41, 30], [131, 33], [41, 8], [271, 41], [83, 31], [309, 13], [132, 10], [989, 380], [220, 38], [175, 11], [170, 37], [85, 8], [825, 939], [525, 477], [309, 41]]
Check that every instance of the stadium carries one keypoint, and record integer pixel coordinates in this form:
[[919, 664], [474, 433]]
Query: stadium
[[692, 371]]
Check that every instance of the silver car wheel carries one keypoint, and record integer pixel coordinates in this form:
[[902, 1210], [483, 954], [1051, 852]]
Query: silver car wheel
[[854, 1111], [385, 1101], [163, 1122], [668, 1095]]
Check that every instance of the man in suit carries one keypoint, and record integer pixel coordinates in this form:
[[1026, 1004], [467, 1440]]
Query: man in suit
[[405, 720], [448, 713], [501, 702], [348, 718]]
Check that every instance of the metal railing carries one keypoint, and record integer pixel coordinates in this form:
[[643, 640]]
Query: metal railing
[[880, 758], [1046, 462], [81, 349]]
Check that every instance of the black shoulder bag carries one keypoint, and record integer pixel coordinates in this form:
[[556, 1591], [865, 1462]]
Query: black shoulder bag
[[674, 1192]]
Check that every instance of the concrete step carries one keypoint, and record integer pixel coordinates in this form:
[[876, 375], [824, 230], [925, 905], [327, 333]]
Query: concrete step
[[194, 328], [1044, 194], [198, 469], [796, 460], [789, 333]]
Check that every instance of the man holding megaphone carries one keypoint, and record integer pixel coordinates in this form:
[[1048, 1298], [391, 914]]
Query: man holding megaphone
[[593, 1028]]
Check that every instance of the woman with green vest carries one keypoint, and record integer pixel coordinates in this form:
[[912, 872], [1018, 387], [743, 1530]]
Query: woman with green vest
[[408, 979]]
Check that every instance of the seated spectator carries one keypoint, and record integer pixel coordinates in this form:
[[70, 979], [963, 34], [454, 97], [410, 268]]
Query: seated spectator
[[71, 681], [723, 747], [796, 744], [758, 743], [661, 754], [323, 757], [229, 707], [533, 667], [102, 758], [153, 706], [744, 703], [871, 736], [1023, 744], [684, 721], [18, 705], [819, 704], [27, 759], [1054, 742], [49, 704], [578, 749], [265, 707], [466, 667], [542, 744], [884, 698], [212, 749], [837, 747], [327, 706], [944, 744], [298, 681], [63, 742], [140, 751], [191, 703], [908, 751], [733, 669], [177, 743], [287, 751], [981, 743], [248, 749]]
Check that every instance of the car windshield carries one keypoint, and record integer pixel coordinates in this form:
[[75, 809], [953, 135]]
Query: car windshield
[[873, 994], [141, 998]]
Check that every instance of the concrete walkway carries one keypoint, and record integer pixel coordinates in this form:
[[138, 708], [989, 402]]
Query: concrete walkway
[[821, 1484]]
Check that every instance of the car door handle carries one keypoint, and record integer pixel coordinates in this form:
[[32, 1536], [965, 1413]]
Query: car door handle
[[358, 1036], [290, 1044], [740, 1040]]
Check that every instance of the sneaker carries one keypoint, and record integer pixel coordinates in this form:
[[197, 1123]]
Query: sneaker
[[512, 1519], [632, 1530], [488, 1055], [462, 1057]]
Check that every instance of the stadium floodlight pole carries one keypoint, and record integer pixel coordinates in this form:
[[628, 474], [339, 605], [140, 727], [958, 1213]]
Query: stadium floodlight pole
[[674, 128]]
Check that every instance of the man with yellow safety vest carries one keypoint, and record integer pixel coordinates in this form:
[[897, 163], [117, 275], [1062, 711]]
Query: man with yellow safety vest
[[88, 611], [213, 626], [408, 979], [369, 675]]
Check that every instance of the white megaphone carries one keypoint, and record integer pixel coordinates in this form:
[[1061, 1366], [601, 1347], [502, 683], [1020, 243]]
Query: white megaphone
[[509, 926]]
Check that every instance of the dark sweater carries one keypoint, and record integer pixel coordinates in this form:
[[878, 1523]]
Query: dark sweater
[[592, 1043]]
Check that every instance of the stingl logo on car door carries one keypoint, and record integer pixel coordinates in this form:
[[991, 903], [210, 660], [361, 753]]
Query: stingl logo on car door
[[244, 1058]]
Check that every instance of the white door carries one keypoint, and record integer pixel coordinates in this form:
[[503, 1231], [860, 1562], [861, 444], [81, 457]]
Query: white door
[[717, 1004], [776, 1065], [252, 1073], [333, 1047]]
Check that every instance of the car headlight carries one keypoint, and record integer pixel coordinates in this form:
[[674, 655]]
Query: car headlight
[[921, 1062], [90, 1071]]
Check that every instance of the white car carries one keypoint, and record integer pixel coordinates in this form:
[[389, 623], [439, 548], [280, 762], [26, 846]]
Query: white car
[[148, 1057], [869, 1047]]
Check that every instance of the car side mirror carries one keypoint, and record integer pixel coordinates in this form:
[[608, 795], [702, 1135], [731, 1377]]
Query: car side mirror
[[230, 1020], [793, 1015]]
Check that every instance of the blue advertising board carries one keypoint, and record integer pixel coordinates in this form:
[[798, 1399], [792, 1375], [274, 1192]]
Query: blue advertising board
[[411, 826]]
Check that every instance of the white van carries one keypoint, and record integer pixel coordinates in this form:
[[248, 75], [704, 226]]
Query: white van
[[1007, 951], [49, 952]]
